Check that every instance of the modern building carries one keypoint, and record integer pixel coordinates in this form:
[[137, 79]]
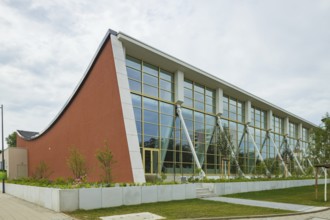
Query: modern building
[[161, 115]]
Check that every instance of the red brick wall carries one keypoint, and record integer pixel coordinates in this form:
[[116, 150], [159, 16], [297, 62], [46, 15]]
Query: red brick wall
[[94, 116]]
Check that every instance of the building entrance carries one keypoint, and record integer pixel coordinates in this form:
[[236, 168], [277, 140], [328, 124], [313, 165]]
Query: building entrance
[[151, 161]]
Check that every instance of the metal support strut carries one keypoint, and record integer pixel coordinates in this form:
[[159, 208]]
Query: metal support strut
[[257, 149], [179, 112], [278, 153], [230, 146], [294, 156]]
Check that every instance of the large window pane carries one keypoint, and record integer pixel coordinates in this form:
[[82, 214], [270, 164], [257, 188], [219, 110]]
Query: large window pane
[[166, 132], [150, 129], [150, 116], [166, 75], [151, 142], [199, 117], [150, 104], [209, 100], [166, 119], [188, 93], [137, 114], [188, 84], [165, 95], [150, 90], [134, 85], [199, 106], [134, 74], [189, 125], [139, 127], [210, 119], [134, 63], [187, 114], [209, 92], [166, 85], [136, 99], [199, 88], [199, 96], [209, 108], [151, 69], [188, 102], [151, 80], [167, 108]]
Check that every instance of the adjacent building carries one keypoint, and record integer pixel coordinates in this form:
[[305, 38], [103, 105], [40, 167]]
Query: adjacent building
[[161, 115]]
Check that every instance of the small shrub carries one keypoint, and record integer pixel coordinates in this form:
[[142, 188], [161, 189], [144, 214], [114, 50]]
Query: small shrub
[[42, 171], [105, 158], [77, 164]]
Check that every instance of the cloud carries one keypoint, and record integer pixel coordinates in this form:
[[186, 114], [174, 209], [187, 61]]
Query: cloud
[[277, 50]]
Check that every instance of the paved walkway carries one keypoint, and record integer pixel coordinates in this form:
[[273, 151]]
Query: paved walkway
[[12, 208], [311, 212], [273, 205]]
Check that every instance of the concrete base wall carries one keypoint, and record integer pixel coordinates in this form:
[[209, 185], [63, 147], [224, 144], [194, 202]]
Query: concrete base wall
[[61, 200]]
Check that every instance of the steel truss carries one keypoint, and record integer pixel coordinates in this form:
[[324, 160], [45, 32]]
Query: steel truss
[[268, 136], [247, 131], [305, 156], [294, 155], [231, 147], [179, 112]]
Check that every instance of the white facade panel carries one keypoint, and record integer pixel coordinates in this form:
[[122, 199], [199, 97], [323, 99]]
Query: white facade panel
[[126, 102]]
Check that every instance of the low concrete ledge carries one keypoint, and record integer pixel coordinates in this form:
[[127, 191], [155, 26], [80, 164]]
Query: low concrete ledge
[[61, 200]]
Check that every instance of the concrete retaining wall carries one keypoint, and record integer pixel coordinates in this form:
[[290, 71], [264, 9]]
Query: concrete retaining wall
[[92, 198]]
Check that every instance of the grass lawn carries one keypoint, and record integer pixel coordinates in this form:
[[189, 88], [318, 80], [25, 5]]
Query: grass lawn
[[298, 195], [193, 208]]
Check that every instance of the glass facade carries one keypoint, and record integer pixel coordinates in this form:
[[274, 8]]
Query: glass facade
[[164, 146]]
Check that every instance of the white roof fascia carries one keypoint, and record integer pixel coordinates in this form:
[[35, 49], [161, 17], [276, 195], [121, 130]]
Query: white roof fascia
[[124, 37]]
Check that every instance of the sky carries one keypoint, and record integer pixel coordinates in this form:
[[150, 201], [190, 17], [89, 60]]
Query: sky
[[278, 50]]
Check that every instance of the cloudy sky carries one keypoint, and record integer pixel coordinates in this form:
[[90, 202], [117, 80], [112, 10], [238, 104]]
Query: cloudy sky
[[278, 50]]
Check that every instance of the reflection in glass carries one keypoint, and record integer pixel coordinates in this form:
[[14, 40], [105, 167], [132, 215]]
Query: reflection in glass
[[150, 116], [150, 90], [134, 85], [150, 80], [136, 100], [165, 95], [137, 114], [150, 129], [151, 69], [134, 63], [150, 104], [134, 74]]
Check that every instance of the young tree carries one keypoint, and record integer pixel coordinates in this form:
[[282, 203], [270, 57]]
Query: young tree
[[11, 140], [77, 163], [321, 140], [105, 158]]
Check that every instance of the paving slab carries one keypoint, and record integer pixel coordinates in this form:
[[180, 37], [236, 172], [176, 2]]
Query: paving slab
[[134, 216], [12, 208], [273, 205]]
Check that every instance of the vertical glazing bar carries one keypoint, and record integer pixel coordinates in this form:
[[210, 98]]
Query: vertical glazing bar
[[178, 110]]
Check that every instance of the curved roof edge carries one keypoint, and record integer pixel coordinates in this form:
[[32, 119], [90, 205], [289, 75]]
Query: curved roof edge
[[28, 135]]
